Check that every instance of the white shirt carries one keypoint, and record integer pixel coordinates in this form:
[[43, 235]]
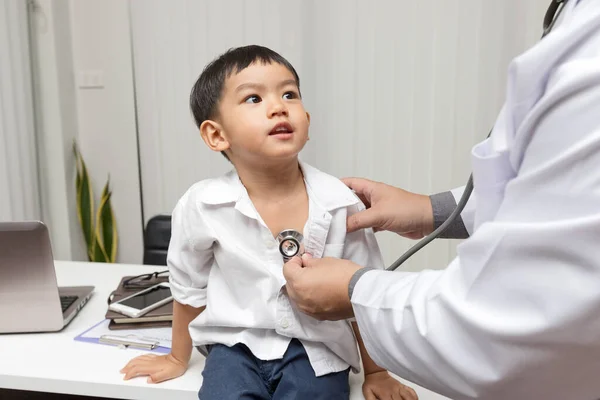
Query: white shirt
[[516, 315], [222, 255]]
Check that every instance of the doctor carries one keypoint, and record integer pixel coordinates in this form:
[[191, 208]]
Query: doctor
[[516, 315]]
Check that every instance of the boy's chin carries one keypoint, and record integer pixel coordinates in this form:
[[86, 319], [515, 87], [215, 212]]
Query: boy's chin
[[279, 158], [280, 154]]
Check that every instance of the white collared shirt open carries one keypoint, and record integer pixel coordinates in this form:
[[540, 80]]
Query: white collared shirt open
[[223, 256]]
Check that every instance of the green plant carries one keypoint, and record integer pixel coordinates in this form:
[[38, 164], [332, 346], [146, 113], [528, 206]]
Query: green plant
[[100, 228]]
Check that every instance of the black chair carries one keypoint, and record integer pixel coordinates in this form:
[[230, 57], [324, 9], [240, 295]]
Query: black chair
[[156, 240]]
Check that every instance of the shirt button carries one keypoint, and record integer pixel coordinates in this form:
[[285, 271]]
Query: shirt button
[[285, 323], [270, 244]]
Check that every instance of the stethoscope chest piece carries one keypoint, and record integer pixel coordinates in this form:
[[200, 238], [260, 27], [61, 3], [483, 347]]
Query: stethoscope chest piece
[[290, 244]]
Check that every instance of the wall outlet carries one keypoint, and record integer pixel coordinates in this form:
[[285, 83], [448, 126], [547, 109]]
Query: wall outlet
[[90, 79]]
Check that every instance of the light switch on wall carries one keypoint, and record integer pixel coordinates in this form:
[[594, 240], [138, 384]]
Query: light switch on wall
[[90, 79]]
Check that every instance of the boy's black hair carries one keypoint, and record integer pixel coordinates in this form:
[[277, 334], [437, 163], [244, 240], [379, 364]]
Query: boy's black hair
[[206, 92]]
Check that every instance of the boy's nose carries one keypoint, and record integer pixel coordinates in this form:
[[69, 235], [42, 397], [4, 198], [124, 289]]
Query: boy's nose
[[278, 108]]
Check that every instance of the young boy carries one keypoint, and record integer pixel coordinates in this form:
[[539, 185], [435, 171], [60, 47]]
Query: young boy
[[225, 266]]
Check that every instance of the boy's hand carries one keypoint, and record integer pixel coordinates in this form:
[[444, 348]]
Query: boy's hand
[[381, 386], [158, 368]]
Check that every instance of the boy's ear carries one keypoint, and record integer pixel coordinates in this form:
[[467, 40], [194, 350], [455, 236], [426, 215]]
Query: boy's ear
[[212, 134], [308, 117]]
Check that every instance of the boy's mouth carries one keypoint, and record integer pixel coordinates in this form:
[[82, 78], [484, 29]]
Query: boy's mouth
[[282, 128]]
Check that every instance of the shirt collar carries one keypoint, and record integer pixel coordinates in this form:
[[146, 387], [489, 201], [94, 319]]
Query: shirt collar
[[326, 190]]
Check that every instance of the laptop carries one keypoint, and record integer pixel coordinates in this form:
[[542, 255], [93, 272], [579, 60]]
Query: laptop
[[30, 300]]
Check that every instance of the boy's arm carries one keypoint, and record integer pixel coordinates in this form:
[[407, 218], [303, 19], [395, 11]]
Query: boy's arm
[[189, 260], [369, 365], [183, 314], [379, 384], [169, 366]]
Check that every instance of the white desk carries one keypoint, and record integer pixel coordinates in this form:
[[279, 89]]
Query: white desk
[[55, 363]]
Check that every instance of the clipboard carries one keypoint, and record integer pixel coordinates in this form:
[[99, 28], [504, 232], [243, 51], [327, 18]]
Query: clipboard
[[152, 339], [129, 341]]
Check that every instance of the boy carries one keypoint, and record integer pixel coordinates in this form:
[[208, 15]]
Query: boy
[[225, 267]]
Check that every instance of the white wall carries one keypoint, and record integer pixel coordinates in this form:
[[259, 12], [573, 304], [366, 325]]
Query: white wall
[[106, 118], [72, 39], [398, 90]]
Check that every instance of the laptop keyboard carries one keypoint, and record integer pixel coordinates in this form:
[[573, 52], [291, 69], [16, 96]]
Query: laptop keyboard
[[66, 301]]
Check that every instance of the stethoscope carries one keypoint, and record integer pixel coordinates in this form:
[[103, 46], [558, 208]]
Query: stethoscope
[[290, 241], [290, 244]]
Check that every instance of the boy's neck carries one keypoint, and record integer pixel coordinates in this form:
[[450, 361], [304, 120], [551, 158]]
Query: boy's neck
[[271, 182]]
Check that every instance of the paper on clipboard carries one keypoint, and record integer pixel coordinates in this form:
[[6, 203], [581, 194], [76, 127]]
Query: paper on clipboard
[[160, 336]]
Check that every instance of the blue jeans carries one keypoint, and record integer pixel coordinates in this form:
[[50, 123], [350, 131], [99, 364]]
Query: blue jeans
[[233, 373]]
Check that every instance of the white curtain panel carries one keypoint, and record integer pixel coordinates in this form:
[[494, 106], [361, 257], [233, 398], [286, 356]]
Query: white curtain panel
[[398, 90], [19, 194]]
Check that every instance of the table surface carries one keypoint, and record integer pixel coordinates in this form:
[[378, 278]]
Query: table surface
[[55, 363]]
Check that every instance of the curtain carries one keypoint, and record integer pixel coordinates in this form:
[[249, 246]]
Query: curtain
[[19, 194]]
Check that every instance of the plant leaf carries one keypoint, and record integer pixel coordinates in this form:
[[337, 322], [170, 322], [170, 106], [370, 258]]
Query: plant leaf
[[101, 238], [78, 168], [98, 253], [100, 249], [85, 207], [108, 223]]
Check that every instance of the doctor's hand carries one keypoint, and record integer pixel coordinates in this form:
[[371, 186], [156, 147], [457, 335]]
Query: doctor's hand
[[157, 368], [319, 286], [390, 209]]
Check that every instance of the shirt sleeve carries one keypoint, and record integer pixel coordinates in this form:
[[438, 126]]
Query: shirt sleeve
[[516, 314], [190, 255], [443, 204]]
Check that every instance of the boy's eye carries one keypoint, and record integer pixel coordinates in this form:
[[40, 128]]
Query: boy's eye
[[252, 99], [290, 95]]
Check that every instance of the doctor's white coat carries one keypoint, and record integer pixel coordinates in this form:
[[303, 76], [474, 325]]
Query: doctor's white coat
[[517, 314]]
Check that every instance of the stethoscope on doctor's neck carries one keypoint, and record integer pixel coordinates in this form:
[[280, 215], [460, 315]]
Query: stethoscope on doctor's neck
[[290, 241]]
